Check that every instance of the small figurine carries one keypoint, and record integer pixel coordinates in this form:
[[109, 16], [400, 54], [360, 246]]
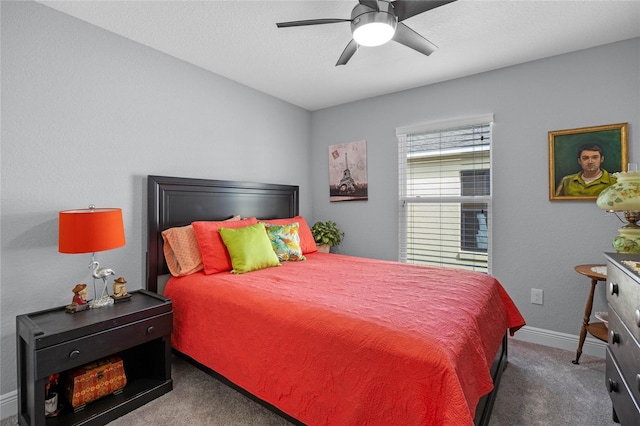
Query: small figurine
[[79, 294], [120, 290], [101, 273], [79, 301]]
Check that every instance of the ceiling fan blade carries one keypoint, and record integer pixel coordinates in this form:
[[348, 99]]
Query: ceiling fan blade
[[371, 4], [408, 37], [407, 8], [310, 22], [348, 52]]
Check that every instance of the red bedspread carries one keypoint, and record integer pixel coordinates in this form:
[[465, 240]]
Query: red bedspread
[[342, 340]]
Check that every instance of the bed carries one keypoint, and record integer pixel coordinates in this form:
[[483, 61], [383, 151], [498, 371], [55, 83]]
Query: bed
[[333, 339]]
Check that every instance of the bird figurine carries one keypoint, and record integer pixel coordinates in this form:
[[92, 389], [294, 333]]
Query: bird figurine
[[101, 273]]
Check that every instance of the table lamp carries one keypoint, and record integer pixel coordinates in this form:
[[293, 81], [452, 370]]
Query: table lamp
[[624, 197], [89, 231]]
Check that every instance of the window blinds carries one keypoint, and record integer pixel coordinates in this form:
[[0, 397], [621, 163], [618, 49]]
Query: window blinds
[[445, 193]]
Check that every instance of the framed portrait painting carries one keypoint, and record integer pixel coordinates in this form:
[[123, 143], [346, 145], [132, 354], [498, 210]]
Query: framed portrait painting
[[582, 161], [348, 171]]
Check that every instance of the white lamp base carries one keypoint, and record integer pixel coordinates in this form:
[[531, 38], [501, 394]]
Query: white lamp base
[[101, 303]]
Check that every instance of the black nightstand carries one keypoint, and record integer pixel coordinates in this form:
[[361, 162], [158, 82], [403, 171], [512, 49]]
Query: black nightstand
[[54, 341]]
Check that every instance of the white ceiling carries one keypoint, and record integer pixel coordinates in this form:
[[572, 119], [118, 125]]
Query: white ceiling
[[239, 40]]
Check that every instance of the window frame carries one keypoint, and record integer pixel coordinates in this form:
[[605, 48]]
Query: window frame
[[442, 126]]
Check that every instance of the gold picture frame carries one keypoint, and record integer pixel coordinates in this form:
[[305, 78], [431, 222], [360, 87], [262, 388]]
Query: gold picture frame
[[564, 157]]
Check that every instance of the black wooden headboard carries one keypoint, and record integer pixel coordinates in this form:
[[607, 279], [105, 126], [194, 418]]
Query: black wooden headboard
[[174, 201]]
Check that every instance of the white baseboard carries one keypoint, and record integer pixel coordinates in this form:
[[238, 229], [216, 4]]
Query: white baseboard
[[8, 404], [554, 339]]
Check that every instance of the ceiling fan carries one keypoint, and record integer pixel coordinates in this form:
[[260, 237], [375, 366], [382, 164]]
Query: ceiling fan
[[375, 22]]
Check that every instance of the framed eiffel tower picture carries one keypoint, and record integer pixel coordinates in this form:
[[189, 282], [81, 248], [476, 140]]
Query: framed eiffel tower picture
[[348, 171]]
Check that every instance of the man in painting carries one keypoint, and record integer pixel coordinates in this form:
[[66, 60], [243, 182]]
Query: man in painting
[[589, 181]]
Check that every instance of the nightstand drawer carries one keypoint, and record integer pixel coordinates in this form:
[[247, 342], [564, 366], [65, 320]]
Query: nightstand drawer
[[626, 408], [626, 351], [74, 353], [623, 294]]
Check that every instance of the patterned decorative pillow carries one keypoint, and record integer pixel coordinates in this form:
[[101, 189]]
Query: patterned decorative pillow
[[285, 241], [307, 242], [181, 251]]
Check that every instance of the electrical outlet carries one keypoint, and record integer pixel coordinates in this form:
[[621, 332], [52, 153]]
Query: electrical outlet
[[536, 296]]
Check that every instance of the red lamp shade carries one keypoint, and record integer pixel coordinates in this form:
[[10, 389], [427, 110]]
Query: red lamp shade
[[90, 230]]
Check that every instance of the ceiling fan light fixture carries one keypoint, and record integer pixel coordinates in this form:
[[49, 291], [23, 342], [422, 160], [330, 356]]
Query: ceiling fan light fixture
[[375, 22], [374, 28]]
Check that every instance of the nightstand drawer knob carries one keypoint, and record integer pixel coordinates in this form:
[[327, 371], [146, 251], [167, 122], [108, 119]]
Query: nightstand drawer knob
[[612, 385], [74, 354], [613, 288], [638, 317], [615, 337], [150, 329]]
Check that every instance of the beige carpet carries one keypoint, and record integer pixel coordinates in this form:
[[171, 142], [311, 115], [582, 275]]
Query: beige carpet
[[542, 387]]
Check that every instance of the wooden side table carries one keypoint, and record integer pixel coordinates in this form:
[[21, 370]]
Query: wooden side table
[[54, 341], [596, 329]]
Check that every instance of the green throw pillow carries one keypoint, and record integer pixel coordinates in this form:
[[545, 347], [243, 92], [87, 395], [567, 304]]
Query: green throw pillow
[[249, 248]]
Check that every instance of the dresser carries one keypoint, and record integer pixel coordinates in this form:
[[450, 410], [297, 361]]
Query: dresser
[[623, 350]]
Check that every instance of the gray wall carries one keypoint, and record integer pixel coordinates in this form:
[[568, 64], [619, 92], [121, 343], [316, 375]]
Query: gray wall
[[86, 115], [536, 242]]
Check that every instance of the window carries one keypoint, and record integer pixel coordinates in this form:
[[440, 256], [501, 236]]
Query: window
[[473, 221], [445, 193]]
